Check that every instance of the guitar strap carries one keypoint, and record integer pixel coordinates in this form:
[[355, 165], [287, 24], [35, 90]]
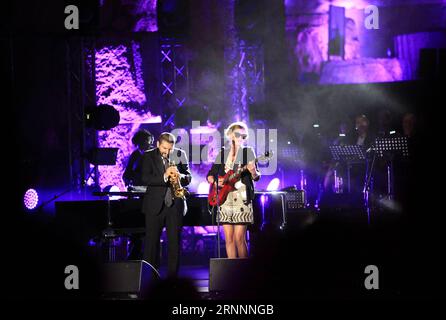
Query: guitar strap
[[222, 156]]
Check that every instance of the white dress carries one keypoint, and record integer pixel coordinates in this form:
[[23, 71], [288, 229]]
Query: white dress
[[236, 210]]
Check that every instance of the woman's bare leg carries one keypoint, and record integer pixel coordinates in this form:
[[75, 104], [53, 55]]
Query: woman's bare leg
[[240, 240], [229, 240]]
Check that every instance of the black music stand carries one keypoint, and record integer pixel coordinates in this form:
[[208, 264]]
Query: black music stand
[[104, 157], [392, 146], [388, 148], [350, 154], [100, 157]]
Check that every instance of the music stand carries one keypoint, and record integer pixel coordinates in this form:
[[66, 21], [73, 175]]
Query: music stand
[[104, 157], [392, 146], [388, 148], [349, 154], [101, 157], [385, 147]]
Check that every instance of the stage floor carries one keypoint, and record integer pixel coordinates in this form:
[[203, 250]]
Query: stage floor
[[199, 274]]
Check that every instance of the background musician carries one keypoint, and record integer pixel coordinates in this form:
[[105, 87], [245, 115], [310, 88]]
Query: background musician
[[143, 141]]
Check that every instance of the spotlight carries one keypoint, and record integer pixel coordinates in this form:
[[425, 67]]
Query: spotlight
[[203, 188], [342, 134], [289, 142], [316, 125], [31, 199], [273, 185], [392, 132], [102, 117], [112, 189]]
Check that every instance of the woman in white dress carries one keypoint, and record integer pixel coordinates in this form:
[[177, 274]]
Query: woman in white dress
[[236, 213]]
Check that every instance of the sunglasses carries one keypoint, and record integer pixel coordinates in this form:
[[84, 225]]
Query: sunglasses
[[238, 135]]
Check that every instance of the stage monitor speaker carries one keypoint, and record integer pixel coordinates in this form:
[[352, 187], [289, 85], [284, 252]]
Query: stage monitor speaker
[[229, 275], [131, 279]]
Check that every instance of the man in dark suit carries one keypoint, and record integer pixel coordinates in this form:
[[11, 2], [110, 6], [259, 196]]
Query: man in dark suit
[[160, 206]]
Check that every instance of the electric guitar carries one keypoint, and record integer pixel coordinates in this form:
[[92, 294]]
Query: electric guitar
[[229, 180]]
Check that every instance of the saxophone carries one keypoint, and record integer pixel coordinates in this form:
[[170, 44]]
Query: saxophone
[[175, 181]]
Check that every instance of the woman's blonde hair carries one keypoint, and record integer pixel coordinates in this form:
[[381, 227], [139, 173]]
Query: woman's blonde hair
[[236, 125]]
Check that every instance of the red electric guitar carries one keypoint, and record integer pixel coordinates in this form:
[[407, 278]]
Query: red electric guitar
[[229, 181]]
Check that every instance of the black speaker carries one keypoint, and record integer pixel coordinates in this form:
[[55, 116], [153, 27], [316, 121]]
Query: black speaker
[[229, 275], [131, 279]]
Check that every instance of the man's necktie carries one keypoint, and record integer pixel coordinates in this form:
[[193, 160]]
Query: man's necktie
[[168, 201]]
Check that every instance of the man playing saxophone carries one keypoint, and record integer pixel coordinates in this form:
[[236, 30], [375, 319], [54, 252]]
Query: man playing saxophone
[[165, 171]]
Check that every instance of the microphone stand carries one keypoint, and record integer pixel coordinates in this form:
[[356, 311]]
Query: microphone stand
[[109, 234], [40, 208], [218, 216], [366, 189]]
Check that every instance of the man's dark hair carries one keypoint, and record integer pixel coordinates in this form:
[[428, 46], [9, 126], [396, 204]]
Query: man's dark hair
[[141, 136], [166, 136]]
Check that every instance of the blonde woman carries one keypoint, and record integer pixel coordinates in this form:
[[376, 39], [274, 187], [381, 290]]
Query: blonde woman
[[236, 212]]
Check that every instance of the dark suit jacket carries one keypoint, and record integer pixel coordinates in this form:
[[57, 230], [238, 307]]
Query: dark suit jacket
[[153, 176]]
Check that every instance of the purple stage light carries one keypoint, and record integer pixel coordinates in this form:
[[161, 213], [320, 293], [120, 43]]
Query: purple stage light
[[91, 243], [263, 199], [303, 180], [30, 199]]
